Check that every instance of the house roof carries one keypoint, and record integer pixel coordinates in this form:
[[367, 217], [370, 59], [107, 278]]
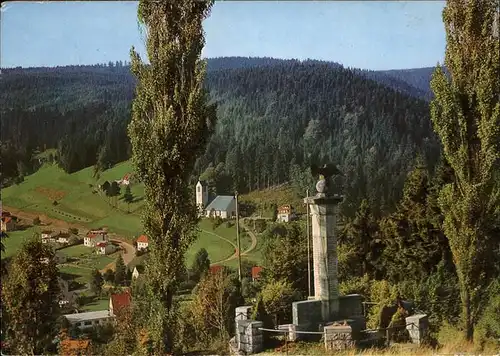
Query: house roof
[[74, 345], [48, 232], [215, 269], [101, 244], [256, 271], [142, 238], [5, 213], [203, 183], [220, 203], [121, 300], [77, 317], [64, 234]]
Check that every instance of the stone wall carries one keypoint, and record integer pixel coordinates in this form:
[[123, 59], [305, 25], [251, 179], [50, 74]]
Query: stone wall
[[249, 336], [338, 337]]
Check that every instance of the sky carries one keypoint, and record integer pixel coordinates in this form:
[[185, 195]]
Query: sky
[[365, 34]]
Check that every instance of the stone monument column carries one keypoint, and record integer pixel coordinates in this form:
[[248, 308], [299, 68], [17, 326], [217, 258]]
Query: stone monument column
[[324, 211]]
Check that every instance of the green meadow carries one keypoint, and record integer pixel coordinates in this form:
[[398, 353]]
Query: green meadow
[[75, 198]]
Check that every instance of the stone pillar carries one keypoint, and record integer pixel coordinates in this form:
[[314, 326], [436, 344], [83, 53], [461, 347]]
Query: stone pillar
[[250, 336], [417, 328], [241, 313], [324, 210]]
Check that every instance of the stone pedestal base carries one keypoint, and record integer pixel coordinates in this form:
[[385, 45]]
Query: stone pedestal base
[[338, 337]]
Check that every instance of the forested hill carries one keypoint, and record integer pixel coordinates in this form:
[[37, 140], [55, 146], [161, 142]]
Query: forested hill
[[275, 117]]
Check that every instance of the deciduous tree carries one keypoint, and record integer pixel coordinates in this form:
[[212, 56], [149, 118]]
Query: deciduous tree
[[171, 123], [466, 117], [30, 293]]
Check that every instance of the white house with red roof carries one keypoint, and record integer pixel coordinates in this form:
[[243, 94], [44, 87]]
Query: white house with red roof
[[95, 236], [125, 180], [142, 243], [104, 248]]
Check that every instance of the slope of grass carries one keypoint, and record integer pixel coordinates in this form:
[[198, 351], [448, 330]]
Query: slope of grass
[[15, 239], [78, 198], [79, 201]]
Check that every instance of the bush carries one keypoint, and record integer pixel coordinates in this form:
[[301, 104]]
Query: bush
[[36, 221], [55, 202], [487, 331], [229, 224]]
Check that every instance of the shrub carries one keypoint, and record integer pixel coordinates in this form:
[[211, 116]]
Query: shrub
[[55, 202], [36, 221]]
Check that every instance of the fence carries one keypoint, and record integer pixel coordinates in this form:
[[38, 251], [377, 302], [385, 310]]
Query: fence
[[387, 332]]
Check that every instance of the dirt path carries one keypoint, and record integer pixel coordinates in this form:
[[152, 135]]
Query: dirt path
[[128, 253], [252, 237], [235, 254]]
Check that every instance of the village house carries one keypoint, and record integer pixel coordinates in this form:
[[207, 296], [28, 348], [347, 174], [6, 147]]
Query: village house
[[104, 248], [125, 180], [8, 222], [63, 237], [48, 236], [95, 236], [138, 271], [142, 243], [89, 319], [119, 301], [256, 271], [285, 213]]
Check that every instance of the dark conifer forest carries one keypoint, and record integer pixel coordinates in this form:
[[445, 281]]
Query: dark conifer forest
[[275, 117]]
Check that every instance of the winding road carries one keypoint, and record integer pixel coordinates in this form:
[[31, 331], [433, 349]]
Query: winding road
[[252, 246]]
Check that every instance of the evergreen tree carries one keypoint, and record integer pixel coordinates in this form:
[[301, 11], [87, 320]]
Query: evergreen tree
[[466, 116], [414, 244], [128, 197], [30, 295], [201, 263], [171, 123], [96, 282], [363, 233], [120, 271]]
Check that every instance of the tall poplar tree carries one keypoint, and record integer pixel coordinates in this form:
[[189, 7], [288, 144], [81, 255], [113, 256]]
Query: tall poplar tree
[[466, 116], [171, 124]]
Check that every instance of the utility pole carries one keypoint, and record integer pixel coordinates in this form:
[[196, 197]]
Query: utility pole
[[308, 247], [238, 237]]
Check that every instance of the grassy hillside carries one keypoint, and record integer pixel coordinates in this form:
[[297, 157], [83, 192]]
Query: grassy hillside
[[80, 202]]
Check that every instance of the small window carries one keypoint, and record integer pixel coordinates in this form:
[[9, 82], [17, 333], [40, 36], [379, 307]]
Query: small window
[[199, 189]]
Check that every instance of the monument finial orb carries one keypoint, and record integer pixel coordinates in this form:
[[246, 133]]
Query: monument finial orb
[[325, 173]]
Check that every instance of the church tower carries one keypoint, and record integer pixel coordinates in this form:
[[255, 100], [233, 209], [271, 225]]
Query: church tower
[[201, 195]]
